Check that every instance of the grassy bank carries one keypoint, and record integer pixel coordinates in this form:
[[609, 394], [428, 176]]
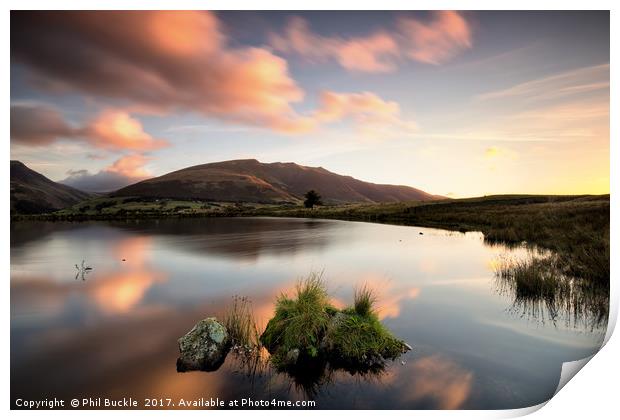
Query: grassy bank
[[123, 208]]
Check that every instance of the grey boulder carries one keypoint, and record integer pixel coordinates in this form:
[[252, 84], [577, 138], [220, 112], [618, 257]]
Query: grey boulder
[[204, 347]]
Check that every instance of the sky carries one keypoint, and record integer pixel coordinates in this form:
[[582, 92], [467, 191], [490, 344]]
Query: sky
[[459, 104]]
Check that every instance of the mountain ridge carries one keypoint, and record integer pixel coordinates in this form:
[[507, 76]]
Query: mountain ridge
[[32, 192], [248, 180]]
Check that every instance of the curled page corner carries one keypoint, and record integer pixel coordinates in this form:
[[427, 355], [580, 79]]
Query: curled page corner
[[522, 412], [613, 314], [570, 369]]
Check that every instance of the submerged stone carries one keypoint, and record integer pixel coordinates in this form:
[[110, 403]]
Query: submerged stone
[[292, 356], [204, 347]]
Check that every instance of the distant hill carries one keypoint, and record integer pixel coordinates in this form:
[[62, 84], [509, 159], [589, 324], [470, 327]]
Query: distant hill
[[32, 193], [249, 180]]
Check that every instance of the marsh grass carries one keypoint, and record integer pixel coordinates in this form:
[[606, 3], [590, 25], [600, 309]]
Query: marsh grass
[[250, 357], [542, 288], [241, 324], [364, 300]]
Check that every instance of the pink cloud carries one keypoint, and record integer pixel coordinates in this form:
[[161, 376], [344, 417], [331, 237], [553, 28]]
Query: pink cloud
[[40, 125], [437, 41], [131, 166], [441, 380], [336, 106], [365, 110], [433, 42], [160, 61], [113, 129], [374, 53]]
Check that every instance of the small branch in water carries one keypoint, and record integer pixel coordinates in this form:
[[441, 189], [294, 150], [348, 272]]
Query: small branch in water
[[82, 270]]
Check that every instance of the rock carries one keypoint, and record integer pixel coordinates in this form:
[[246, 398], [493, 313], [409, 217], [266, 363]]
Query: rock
[[204, 347]]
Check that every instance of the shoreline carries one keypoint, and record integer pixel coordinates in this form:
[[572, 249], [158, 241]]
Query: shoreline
[[577, 228]]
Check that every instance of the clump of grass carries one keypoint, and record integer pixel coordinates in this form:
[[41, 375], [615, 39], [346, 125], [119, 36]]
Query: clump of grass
[[299, 323], [241, 325], [363, 301], [308, 331], [359, 342]]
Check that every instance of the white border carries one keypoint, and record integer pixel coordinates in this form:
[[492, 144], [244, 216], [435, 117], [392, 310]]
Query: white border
[[592, 394]]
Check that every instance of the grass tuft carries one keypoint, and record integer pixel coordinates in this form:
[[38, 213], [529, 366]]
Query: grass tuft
[[360, 342], [364, 300], [299, 323]]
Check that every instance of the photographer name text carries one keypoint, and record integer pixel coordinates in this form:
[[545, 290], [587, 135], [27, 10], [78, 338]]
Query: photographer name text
[[160, 403]]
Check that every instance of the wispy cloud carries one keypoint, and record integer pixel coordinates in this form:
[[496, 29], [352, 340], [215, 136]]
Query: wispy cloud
[[570, 106], [437, 41], [200, 128], [434, 41], [578, 81], [366, 109], [578, 121], [374, 53]]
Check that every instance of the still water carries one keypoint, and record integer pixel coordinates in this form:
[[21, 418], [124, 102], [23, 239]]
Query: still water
[[114, 333]]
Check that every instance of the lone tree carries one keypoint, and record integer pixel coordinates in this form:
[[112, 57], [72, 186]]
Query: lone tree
[[312, 199]]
